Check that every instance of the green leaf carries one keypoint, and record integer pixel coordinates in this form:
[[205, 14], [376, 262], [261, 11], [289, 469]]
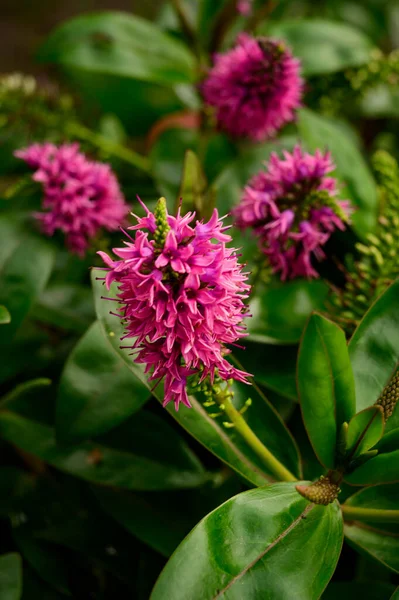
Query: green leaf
[[364, 431], [272, 366], [366, 590], [97, 391], [44, 559], [383, 468], [193, 185], [151, 519], [351, 168], [325, 385], [117, 43], [374, 348], [381, 497], [373, 543], [23, 275], [264, 543], [5, 316], [10, 577], [322, 46], [152, 458], [66, 306], [279, 312], [224, 442]]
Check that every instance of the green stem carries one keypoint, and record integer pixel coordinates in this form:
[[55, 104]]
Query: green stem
[[83, 133], [241, 426], [356, 513]]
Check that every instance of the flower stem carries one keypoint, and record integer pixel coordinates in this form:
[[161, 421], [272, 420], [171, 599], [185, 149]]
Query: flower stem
[[242, 427], [356, 513], [126, 154]]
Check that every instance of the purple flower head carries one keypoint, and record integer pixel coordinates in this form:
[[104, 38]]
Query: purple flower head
[[181, 294], [292, 208], [81, 196], [255, 88]]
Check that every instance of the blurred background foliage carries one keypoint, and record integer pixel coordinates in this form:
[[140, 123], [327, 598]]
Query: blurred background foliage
[[55, 498]]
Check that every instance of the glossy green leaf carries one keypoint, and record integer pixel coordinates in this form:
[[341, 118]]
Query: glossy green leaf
[[366, 590], [117, 43], [322, 46], [67, 306], [97, 391], [395, 595], [381, 497], [374, 348], [23, 275], [5, 316], [264, 543], [325, 385], [279, 312], [374, 543], [153, 458], [320, 132], [224, 442], [365, 430], [10, 577], [383, 468]]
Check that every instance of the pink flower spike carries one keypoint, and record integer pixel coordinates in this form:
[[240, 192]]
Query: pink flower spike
[[181, 294], [293, 210], [255, 88], [81, 197]]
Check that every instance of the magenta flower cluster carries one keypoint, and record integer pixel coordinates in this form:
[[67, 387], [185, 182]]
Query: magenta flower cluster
[[255, 88], [292, 208], [81, 196], [182, 295]]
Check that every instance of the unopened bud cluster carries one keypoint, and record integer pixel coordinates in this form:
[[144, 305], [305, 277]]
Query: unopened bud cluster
[[378, 265], [324, 491], [389, 396]]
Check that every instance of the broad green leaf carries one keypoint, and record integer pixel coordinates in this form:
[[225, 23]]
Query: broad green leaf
[[374, 348], [273, 366], [320, 132], [10, 577], [374, 543], [23, 275], [117, 43], [365, 430], [325, 385], [67, 306], [395, 595], [97, 391], [279, 312], [389, 441], [381, 497], [44, 559], [367, 590], [264, 543], [383, 468], [224, 442], [5, 316], [322, 46], [154, 458]]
